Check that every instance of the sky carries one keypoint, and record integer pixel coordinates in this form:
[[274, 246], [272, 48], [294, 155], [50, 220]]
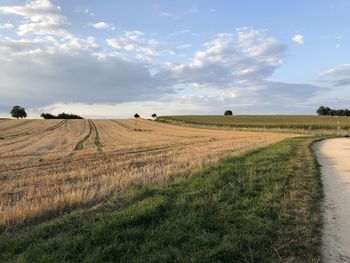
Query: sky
[[110, 59]]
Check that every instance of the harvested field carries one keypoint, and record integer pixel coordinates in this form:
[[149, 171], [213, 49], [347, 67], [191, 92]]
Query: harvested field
[[48, 167]]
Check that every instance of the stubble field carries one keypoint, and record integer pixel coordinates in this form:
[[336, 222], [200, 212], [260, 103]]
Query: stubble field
[[49, 167]]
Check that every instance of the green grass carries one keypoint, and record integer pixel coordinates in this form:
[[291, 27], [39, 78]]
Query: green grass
[[310, 122], [262, 206]]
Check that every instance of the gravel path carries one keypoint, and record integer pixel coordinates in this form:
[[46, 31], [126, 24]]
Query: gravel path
[[334, 157]]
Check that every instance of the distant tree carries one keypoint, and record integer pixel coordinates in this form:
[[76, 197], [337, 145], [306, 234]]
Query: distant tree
[[60, 116], [136, 116], [18, 112], [48, 116], [154, 115], [326, 111], [228, 113], [322, 111], [68, 116]]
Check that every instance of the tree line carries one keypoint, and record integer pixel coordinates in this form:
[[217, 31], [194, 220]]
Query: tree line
[[326, 111], [60, 116], [20, 112]]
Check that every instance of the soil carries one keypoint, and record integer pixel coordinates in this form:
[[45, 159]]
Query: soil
[[334, 157]]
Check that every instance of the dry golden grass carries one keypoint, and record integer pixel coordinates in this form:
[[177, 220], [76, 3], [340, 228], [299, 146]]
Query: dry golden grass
[[41, 173]]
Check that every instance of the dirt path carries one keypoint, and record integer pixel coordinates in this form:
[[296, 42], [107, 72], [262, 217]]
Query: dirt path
[[334, 158]]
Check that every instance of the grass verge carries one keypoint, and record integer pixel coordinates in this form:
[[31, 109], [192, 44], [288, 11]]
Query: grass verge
[[262, 206]]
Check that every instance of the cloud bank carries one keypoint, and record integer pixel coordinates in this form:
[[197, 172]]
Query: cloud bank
[[338, 76], [46, 64]]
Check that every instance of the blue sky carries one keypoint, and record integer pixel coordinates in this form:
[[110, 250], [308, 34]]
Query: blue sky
[[113, 58]]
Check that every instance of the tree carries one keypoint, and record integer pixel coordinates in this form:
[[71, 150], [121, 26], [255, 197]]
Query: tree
[[48, 116], [228, 113], [18, 112], [60, 116], [136, 116], [68, 116], [154, 115], [326, 111], [322, 111]]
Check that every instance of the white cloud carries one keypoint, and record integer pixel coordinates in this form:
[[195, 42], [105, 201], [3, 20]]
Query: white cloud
[[165, 14], [7, 26], [80, 76], [338, 76], [184, 46], [41, 17], [102, 25], [239, 64], [11, 49], [47, 67], [229, 60], [87, 11], [135, 42], [42, 28], [298, 39]]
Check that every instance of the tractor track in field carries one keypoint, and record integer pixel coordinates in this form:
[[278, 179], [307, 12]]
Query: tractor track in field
[[16, 125], [80, 144], [30, 158], [21, 134], [97, 141], [114, 156], [56, 126], [123, 125]]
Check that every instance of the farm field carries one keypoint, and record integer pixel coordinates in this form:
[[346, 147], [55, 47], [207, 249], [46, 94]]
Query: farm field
[[303, 122], [259, 206], [50, 167]]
